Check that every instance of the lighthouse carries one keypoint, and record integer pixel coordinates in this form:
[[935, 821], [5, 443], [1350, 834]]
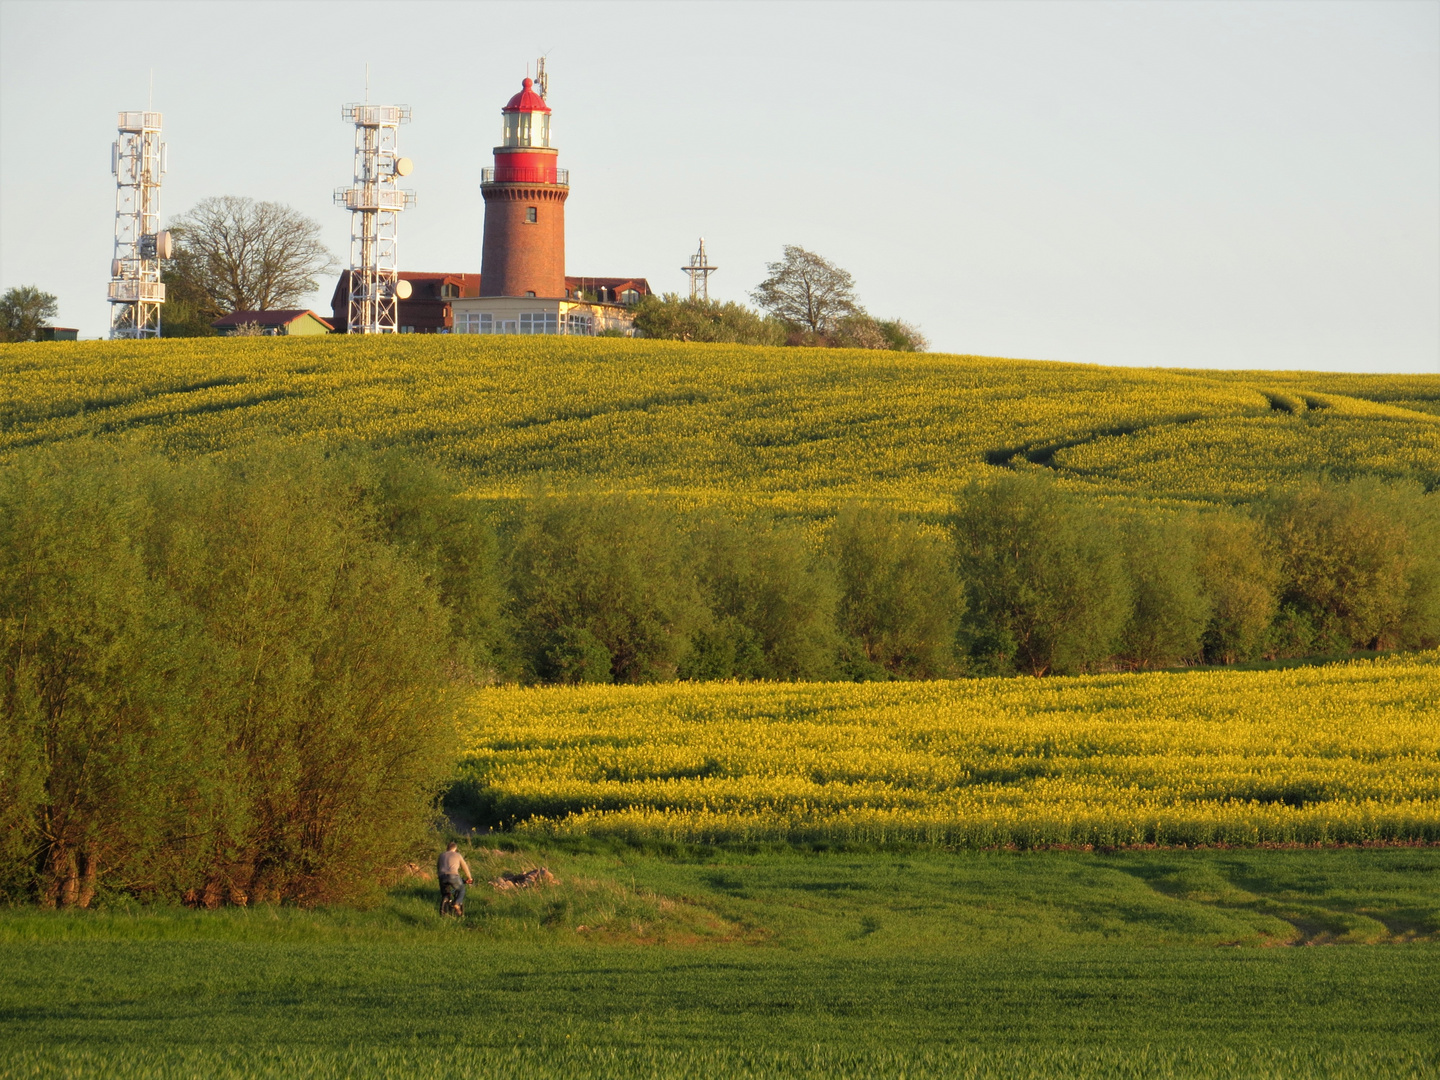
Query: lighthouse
[[521, 287], [524, 246]]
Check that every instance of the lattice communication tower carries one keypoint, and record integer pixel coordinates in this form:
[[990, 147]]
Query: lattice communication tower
[[700, 271], [375, 203], [138, 160]]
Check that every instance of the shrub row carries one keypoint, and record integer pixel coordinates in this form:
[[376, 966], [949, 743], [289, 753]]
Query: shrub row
[[1023, 577]]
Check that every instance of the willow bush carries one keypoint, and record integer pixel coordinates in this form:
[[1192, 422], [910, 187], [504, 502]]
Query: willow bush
[[1360, 566], [601, 589], [221, 682], [771, 605], [1169, 609], [1047, 585], [1239, 575], [901, 600]]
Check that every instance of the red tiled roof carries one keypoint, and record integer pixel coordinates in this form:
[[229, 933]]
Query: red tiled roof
[[269, 318]]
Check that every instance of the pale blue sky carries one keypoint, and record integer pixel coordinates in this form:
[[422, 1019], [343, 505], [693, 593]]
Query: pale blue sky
[[1214, 184]]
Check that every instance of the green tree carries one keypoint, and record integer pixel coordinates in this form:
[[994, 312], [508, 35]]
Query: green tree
[[1044, 577], [1355, 562], [424, 513], [612, 567], [572, 654], [901, 336], [771, 606], [807, 291], [98, 666], [1240, 580], [900, 598], [23, 310], [671, 318], [1169, 609], [189, 310], [219, 682]]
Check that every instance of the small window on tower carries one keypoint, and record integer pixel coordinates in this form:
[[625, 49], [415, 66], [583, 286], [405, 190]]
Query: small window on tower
[[530, 293], [532, 215]]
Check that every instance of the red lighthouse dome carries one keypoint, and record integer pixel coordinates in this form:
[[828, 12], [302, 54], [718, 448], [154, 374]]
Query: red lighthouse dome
[[527, 100], [524, 250]]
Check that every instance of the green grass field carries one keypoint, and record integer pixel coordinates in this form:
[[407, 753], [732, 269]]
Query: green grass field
[[775, 963]]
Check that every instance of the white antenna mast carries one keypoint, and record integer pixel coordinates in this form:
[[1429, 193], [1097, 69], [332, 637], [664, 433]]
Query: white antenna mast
[[699, 271], [138, 160], [375, 203], [542, 81]]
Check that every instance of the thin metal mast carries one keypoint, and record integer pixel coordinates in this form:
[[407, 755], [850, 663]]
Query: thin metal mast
[[374, 203], [699, 271], [138, 160]]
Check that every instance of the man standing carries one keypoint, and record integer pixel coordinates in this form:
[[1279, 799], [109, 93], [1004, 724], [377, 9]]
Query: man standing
[[454, 874]]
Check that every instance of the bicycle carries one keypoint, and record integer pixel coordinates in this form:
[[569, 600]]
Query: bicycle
[[449, 899]]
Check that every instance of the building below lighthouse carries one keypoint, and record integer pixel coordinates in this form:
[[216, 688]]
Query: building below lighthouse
[[522, 287]]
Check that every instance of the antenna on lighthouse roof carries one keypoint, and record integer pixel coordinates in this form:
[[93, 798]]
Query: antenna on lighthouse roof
[[542, 81]]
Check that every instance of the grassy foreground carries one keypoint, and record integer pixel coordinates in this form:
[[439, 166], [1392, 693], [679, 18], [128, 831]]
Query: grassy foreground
[[706, 962]]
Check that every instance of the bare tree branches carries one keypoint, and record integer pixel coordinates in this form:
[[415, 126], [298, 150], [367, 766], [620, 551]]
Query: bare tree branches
[[807, 291], [245, 255]]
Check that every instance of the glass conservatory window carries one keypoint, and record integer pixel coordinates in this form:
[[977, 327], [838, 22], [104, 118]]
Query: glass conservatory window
[[474, 323], [538, 322]]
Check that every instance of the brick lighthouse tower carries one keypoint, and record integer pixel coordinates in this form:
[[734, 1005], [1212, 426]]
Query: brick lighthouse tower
[[524, 250]]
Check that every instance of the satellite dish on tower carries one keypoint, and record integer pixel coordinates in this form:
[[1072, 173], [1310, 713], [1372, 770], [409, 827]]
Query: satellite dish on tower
[[404, 166], [403, 289], [164, 245]]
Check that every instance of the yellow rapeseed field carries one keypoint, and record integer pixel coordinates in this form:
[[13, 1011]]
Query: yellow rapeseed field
[[1336, 754], [799, 430]]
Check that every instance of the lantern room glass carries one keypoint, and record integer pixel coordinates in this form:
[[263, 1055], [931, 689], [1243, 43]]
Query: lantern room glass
[[527, 129]]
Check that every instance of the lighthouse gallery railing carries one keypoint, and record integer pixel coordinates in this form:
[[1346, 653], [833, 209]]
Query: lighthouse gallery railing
[[517, 175]]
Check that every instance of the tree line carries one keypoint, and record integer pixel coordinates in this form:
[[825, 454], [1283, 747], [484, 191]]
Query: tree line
[[236, 254], [230, 680], [1021, 577], [805, 300]]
